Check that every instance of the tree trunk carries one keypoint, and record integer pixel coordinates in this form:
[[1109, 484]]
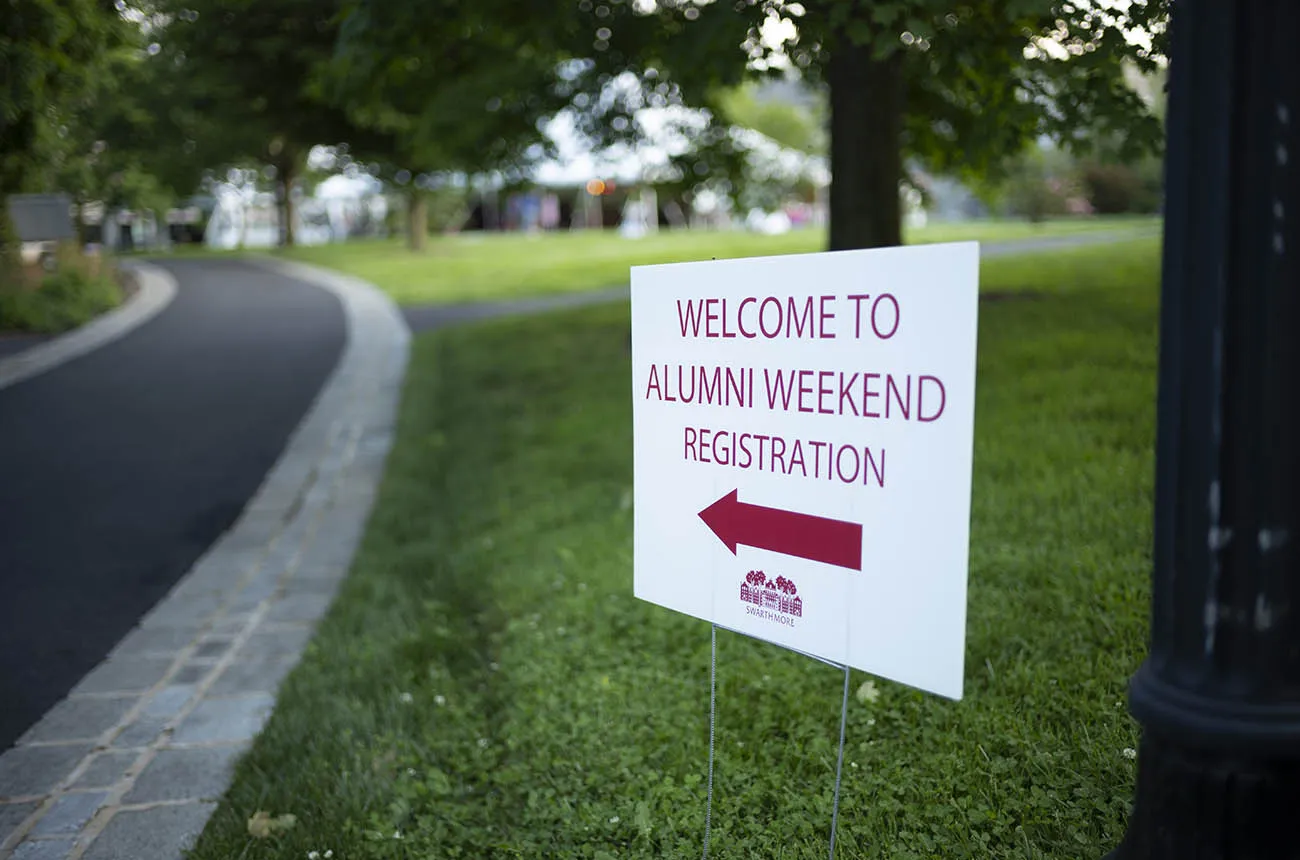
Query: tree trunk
[[491, 214], [287, 175], [417, 220], [10, 249], [866, 147]]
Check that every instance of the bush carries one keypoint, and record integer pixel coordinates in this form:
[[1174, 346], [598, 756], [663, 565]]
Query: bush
[[449, 209], [79, 290], [1037, 199], [1039, 185], [1115, 189]]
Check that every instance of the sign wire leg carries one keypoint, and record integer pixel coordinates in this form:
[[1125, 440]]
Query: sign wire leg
[[839, 765], [713, 703]]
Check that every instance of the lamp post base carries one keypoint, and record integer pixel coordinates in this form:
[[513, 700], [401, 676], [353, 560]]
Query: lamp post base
[[1194, 804]]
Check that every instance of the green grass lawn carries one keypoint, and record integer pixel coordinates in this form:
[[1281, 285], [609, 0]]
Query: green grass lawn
[[487, 686], [477, 267]]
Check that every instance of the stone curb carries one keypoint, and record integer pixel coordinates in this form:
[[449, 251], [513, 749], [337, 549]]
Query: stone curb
[[156, 290], [130, 764]]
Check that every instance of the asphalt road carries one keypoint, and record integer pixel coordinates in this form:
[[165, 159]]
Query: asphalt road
[[12, 344], [119, 468]]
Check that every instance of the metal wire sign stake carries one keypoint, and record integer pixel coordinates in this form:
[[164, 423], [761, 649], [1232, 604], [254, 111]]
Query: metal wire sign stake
[[713, 714]]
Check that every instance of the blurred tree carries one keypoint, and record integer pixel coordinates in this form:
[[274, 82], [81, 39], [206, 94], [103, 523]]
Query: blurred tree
[[1032, 183], [958, 84], [447, 86], [1039, 184], [1102, 166], [112, 154], [795, 125], [51, 54], [241, 85], [1115, 188]]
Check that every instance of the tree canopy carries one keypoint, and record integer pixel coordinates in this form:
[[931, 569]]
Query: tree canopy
[[442, 85], [51, 56], [795, 124], [959, 85], [242, 78]]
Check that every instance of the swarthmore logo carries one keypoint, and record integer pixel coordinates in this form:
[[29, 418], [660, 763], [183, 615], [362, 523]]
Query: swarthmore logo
[[774, 599]]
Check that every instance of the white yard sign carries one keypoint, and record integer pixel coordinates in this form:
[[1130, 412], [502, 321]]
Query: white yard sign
[[803, 431]]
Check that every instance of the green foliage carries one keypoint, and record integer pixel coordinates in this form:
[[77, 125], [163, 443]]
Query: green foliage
[[10, 259], [978, 80], [246, 65], [129, 114], [240, 87], [71, 296], [113, 154], [446, 85], [448, 208], [794, 119], [1114, 188], [486, 685], [793, 125], [51, 53], [1038, 184]]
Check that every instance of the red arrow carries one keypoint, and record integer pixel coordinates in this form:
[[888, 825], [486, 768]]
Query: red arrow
[[815, 538]]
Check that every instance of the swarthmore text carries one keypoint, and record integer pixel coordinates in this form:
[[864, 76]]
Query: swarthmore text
[[807, 458], [865, 394]]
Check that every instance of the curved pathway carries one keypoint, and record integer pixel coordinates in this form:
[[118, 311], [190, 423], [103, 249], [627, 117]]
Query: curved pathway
[[122, 467], [12, 344]]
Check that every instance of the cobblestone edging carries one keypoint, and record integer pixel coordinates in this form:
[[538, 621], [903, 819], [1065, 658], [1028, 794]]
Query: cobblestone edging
[[130, 764], [156, 290]]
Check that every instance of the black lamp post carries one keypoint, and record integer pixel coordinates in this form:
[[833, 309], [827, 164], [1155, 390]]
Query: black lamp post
[[1219, 695]]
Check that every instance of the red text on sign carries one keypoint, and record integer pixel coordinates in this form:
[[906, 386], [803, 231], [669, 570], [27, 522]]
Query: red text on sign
[[807, 458], [868, 395], [770, 318]]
